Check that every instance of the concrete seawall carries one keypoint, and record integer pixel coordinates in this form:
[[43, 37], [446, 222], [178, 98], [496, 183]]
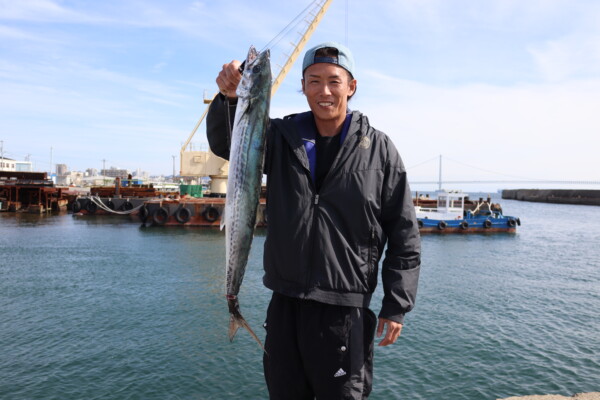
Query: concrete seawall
[[560, 196]]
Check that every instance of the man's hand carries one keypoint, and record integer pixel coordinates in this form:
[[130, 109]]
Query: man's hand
[[228, 79], [392, 332]]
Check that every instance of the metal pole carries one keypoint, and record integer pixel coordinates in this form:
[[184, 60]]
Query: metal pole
[[173, 168]]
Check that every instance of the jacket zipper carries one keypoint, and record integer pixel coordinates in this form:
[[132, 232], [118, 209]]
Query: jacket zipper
[[371, 243], [312, 244]]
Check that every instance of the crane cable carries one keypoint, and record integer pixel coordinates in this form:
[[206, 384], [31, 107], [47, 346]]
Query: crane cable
[[294, 22]]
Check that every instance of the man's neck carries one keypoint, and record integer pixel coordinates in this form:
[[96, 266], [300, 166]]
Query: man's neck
[[329, 127]]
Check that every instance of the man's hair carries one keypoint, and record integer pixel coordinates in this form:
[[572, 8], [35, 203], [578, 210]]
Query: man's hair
[[332, 52], [327, 52]]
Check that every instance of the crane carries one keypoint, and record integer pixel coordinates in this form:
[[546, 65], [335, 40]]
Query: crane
[[195, 164]]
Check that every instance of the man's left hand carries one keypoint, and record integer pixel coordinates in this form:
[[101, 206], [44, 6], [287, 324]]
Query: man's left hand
[[392, 332]]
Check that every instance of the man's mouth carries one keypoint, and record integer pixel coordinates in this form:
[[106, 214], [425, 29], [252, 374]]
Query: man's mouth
[[325, 104]]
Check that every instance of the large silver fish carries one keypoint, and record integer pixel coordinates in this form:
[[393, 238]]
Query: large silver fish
[[245, 176]]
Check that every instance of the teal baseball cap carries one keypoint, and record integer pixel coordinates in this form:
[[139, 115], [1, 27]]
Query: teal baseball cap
[[344, 57]]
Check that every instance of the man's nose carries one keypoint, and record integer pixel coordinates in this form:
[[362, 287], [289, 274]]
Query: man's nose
[[325, 89]]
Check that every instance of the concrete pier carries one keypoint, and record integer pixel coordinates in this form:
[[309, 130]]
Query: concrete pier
[[560, 196]]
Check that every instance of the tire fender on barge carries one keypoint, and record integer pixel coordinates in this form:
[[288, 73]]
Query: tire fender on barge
[[160, 215]]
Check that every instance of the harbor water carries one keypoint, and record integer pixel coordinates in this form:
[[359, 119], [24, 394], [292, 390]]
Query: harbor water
[[101, 308]]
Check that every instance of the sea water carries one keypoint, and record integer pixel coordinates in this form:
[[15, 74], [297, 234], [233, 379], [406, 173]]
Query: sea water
[[102, 308]]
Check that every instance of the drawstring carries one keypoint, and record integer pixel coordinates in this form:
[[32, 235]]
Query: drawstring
[[229, 128]]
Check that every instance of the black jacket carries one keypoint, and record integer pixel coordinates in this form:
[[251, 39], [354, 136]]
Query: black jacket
[[326, 246]]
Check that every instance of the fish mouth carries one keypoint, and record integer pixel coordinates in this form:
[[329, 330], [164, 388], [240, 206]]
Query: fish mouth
[[254, 59], [256, 67], [252, 55]]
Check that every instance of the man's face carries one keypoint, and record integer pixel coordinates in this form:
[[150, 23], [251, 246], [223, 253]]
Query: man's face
[[327, 88]]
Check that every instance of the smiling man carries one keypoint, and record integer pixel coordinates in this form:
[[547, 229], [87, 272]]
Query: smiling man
[[337, 194], [327, 87]]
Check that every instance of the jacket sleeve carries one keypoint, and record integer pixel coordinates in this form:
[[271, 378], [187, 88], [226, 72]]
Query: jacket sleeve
[[219, 122], [401, 265]]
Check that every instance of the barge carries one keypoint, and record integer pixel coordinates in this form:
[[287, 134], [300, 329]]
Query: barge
[[200, 212], [124, 198], [155, 208], [31, 192]]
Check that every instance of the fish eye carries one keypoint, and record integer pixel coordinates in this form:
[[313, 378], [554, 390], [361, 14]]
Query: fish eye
[[256, 69]]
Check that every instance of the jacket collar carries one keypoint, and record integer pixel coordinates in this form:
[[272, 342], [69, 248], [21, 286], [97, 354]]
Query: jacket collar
[[293, 135]]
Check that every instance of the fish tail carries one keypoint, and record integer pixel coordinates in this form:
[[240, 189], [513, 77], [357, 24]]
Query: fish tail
[[237, 321]]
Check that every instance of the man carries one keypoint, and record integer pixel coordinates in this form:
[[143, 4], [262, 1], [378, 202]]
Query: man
[[337, 192]]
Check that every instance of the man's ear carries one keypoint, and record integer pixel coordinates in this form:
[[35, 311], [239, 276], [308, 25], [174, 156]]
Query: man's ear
[[352, 85]]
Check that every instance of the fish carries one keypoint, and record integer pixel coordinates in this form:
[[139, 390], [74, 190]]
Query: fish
[[246, 161]]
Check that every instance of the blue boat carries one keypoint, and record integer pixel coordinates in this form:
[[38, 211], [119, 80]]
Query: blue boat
[[450, 216]]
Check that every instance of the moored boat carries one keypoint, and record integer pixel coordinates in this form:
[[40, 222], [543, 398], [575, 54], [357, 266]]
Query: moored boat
[[450, 216]]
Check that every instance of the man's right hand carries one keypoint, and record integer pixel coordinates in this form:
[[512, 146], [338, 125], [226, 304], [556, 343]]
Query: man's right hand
[[228, 79]]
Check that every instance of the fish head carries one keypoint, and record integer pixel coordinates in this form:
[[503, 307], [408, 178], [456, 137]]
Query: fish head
[[256, 77]]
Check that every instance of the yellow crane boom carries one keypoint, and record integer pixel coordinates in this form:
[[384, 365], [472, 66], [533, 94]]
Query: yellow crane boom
[[205, 163], [299, 46]]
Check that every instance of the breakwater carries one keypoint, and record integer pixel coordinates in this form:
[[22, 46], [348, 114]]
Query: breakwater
[[559, 196]]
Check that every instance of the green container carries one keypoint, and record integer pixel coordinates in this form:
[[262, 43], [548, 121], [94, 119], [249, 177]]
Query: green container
[[192, 190]]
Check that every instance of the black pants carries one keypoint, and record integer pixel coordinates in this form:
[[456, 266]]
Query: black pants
[[318, 350]]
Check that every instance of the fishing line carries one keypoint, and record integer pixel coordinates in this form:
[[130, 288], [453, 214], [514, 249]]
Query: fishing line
[[346, 24]]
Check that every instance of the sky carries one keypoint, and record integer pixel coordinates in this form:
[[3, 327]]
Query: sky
[[502, 90]]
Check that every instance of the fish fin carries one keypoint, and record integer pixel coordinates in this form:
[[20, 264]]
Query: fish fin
[[237, 321], [223, 222]]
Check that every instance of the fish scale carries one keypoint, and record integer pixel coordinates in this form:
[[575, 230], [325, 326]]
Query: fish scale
[[245, 177]]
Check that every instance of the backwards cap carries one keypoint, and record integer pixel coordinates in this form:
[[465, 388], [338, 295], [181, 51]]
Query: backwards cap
[[344, 57]]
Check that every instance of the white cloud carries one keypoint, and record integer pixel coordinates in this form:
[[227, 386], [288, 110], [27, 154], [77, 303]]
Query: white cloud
[[503, 128], [570, 56], [39, 11], [19, 34]]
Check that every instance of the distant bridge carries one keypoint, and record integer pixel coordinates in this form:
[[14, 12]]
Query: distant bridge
[[518, 180]]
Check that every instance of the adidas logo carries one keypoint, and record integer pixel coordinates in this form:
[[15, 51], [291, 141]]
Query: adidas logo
[[339, 373]]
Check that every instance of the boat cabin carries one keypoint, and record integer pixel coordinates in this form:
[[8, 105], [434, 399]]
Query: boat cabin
[[450, 205]]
